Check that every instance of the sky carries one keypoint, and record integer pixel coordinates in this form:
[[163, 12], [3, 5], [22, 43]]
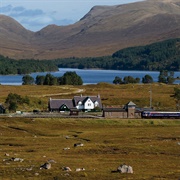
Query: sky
[[37, 14]]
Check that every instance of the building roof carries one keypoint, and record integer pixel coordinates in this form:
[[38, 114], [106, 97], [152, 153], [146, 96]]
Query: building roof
[[114, 110], [57, 103], [83, 99], [130, 103]]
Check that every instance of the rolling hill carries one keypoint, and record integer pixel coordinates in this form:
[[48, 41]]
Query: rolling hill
[[101, 32]]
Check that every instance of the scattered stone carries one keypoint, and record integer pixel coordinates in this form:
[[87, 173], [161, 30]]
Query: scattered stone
[[80, 169], [78, 145], [178, 143], [67, 148], [29, 169], [125, 169], [36, 174], [17, 159], [46, 165], [6, 154], [66, 169], [67, 137]]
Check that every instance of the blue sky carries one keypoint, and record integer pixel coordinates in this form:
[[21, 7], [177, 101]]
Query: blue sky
[[36, 14]]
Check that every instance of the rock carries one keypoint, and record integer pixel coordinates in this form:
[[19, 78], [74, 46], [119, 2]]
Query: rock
[[78, 145], [80, 169], [17, 159], [66, 169], [46, 165], [67, 148], [125, 169], [67, 137], [29, 169]]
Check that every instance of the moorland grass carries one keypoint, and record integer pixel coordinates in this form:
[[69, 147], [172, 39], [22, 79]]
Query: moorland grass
[[151, 147], [111, 95]]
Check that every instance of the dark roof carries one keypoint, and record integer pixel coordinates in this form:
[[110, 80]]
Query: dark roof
[[57, 103], [130, 103], [114, 110], [84, 98], [74, 109]]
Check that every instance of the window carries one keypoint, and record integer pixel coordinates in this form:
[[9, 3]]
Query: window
[[96, 104], [79, 103]]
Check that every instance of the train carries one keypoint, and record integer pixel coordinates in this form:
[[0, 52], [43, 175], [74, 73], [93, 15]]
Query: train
[[160, 114]]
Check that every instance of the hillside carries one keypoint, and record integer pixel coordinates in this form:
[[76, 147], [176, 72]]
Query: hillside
[[164, 55], [101, 32], [14, 38]]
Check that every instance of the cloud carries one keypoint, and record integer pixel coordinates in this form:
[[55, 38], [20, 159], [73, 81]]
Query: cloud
[[20, 11], [33, 19], [5, 9], [27, 13]]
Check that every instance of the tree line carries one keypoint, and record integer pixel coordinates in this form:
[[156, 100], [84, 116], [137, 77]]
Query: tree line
[[165, 76], [159, 56], [26, 66], [69, 78]]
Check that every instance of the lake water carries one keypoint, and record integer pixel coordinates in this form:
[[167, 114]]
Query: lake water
[[89, 76]]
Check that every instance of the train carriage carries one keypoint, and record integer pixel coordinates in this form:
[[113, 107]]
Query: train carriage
[[160, 114]]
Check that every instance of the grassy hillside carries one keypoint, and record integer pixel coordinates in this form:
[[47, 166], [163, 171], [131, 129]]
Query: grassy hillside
[[158, 56], [111, 95], [164, 55], [150, 147]]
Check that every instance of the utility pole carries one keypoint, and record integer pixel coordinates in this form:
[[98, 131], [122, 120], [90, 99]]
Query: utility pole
[[150, 98]]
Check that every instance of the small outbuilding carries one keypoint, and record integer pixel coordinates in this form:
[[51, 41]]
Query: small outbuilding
[[74, 112], [129, 111]]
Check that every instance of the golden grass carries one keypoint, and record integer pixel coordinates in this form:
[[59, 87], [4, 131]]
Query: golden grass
[[118, 95], [111, 95], [149, 146]]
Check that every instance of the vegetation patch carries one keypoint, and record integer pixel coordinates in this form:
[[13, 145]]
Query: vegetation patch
[[106, 145]]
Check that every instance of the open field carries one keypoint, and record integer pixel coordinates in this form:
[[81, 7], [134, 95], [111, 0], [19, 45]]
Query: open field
[[151, 147], [111, 95]]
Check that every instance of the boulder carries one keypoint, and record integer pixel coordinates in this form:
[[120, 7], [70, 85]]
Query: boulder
[[17, 159], [46, 165], [125, 169], [78, 145], [66, 169], [80, 169]]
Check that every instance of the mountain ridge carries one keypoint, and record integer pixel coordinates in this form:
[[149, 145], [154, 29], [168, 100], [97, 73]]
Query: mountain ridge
[[102, 31]]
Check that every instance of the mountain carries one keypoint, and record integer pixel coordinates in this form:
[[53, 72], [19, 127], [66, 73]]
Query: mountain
[[14, 38], [102, 31]]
